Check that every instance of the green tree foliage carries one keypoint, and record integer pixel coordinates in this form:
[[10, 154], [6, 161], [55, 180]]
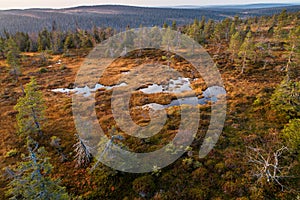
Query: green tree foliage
[[263, 52], [44, 40], [286, 99], [30, 109], [226, 23], [174, 25], [32, 178], [234, 46], [23, 41], [202, 23], [56, 42], [196, 32], [168, 38], [13, 57], [85, 39], [219, 35], [208, 29], [155, 37], [293, 48], [165, 25], [283, 16], [69, 42], [247, 50], [291, 133], [33, 45], [2, 47]]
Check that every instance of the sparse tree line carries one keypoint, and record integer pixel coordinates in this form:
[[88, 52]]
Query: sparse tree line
[[252, 40], [55, 41]]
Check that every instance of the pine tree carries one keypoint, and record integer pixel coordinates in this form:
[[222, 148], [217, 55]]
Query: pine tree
[[194, 31], [294, 49], [85, 39], [247, 50], [56, 39], [202, 23], [30, 110], [286, 99], [22, 40], [208, 29], [69, 42], [226, 23], [127, 41], [234, 46], [141, 39], [44, 41], [2, 47], [165, 25], [32, 179], [56, 42], [291, 134], [174, 25], [96, 35], [155, 37], [218, 35], [13, 57], [263, 52], [232, 30]]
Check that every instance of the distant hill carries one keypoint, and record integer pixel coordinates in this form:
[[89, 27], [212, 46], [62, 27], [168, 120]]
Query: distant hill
[[243, 6], [119, 17]]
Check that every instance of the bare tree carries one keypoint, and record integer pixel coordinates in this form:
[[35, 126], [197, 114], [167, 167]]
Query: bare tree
[[267, 165], [83, 152]]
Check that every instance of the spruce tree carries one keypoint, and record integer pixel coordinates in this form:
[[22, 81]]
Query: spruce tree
[[194, 31], [286, 99], [291, 134], [32, 179], [218, 35], [247, 50], [165, 25], [13, 57], [44, 41], [208, 29], [30, 110], [234, 46], [2, 47], [174, 25], [293, 48], [69, 42]]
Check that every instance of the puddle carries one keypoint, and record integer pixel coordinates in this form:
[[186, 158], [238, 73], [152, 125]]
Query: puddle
[[178, 85], [214, 92], [86, 91], [125, 72], [175, 86], [177, 102]]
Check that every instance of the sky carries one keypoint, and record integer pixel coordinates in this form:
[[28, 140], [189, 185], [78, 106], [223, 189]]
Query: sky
[[12, 4]]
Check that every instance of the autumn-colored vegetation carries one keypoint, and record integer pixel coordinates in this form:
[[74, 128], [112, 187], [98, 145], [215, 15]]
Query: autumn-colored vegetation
[[256, 157]]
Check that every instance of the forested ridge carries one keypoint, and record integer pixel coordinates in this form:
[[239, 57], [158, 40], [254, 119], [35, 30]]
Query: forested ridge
[[118, 17], [256, 157]]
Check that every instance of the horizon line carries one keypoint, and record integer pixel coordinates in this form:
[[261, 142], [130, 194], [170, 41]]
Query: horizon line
[[147, 6]]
